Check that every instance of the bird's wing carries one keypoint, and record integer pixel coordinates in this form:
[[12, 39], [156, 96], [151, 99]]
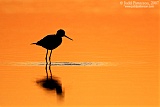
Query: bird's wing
[[45, 39], [48, 36]]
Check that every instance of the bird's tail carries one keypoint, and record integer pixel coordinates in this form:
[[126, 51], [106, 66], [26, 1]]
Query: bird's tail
[[33, 43]]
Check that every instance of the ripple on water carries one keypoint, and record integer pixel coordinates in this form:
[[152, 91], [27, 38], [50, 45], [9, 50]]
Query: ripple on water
[[60, 64]]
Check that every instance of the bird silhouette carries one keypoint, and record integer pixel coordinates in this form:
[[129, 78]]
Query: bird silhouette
[[51, 42]]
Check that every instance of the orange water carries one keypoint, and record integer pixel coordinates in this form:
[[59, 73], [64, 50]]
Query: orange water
[[113, 58]]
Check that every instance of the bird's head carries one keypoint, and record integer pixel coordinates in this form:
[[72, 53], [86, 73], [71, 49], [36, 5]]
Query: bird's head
[[61, 33]]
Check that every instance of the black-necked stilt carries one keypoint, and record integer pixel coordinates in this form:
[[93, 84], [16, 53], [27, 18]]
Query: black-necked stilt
[[52, 41]]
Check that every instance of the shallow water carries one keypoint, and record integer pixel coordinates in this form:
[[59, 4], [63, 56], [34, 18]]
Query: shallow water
[[82, 83]]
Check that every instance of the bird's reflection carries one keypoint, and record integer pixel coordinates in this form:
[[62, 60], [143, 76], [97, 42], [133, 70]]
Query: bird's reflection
[[51, 83]]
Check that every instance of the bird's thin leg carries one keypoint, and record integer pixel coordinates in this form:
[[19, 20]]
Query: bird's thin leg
[[50, 57], [46, 71], [50, 70], [46, 56]]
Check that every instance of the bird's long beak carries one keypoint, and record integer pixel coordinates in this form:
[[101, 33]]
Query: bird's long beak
[[68, 37]]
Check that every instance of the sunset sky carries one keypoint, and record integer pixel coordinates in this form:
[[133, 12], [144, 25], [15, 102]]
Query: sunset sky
[[101, 27]]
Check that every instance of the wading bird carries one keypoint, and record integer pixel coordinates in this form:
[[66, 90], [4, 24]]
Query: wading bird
[[51, 42]]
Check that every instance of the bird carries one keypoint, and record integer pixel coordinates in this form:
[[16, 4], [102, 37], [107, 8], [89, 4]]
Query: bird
[[51, 42]]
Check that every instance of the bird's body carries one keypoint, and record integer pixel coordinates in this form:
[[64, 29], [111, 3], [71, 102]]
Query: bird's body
[[52, 41]]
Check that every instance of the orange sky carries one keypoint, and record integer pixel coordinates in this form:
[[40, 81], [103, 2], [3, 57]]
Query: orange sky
[[96, 26]]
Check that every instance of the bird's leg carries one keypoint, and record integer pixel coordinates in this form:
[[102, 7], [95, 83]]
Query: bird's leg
[[50, 57], [50, 70], [46, 71], [46, 56]]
